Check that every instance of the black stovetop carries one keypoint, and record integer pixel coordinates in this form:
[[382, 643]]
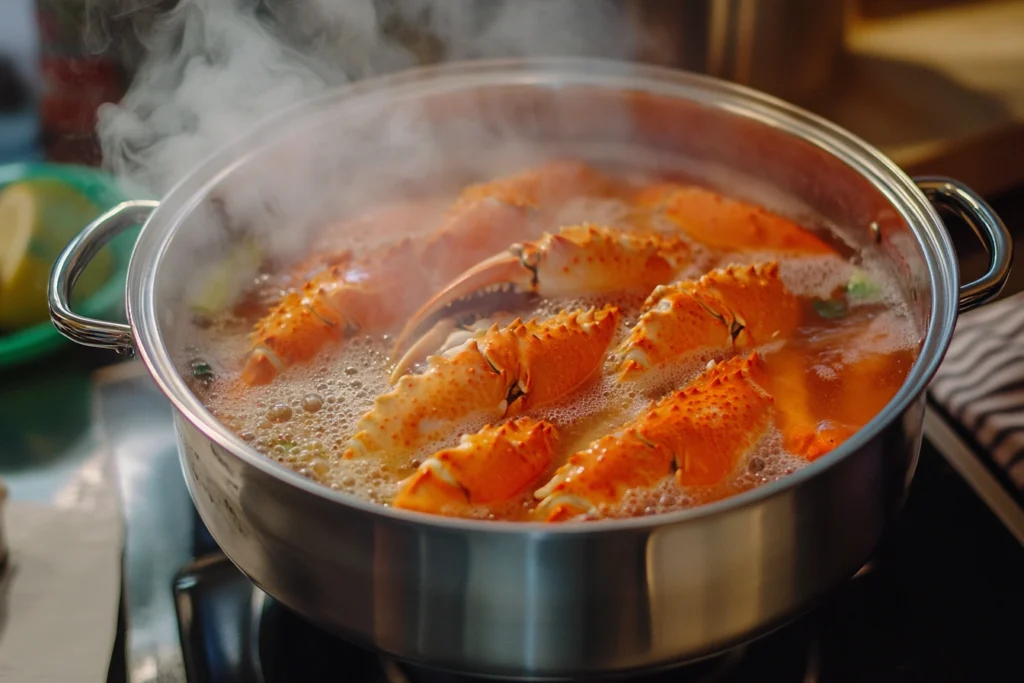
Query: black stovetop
[[942, 601]]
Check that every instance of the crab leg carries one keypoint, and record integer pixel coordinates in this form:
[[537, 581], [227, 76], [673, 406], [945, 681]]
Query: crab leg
[[488, 216], [734, 307], [578, 260], [387, 285], [336, 302], [726, 224], [805, 431], [499, 373], [697, 436], [488, 467]]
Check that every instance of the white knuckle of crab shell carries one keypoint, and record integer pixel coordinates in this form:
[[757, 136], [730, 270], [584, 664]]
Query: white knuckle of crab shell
[[439, 470]]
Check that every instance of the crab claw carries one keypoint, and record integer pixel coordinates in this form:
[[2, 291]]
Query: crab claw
[[501, 272], [488, 467], [444, 335], [495, 374], [579, 260], [336, 301]]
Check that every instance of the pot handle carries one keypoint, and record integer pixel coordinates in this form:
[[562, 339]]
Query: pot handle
[[974, 211], [70, 264]]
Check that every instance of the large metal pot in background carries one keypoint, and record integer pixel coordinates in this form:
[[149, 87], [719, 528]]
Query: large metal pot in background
[[530, 599], [788, 48]]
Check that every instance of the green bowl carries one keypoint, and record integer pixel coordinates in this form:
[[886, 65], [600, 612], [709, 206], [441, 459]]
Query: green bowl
[[106, 303]]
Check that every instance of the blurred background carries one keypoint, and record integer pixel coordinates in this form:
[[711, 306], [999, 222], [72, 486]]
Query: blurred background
[[125, 85], [935, 83]]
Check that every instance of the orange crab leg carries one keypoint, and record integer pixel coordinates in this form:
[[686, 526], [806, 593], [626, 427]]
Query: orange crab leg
[[488, 467], [388, 284], [338, 300], [734, 307], [578, 260], [870, 366], [873, 366], [805, 430], [499, 373], [698, 436], [868, 378], [727, 224], [487, 217]]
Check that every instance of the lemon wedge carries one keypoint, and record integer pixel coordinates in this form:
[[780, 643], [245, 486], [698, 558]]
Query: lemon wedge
[[37, 220]]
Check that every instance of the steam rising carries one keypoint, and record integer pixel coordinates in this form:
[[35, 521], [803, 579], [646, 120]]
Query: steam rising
[[214, 68]]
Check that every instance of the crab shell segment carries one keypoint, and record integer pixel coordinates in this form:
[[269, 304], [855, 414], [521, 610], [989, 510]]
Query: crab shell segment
[[579, 260], [486, 217], [735, 307], [727, 224], [806, 431], [445, 335], [348, 296], [371, 293], [500, 373], [488, 467], [697, 437], [325, 309]]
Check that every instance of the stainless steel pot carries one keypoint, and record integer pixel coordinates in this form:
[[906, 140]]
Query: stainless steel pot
[[527, 600]]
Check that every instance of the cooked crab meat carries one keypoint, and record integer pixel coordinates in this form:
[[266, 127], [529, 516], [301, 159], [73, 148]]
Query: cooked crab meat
[[489, 467], [498, 373], [735, 307]]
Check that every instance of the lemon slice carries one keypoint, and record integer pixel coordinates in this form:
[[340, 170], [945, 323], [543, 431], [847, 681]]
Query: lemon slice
[[37, 220], [223, 283]]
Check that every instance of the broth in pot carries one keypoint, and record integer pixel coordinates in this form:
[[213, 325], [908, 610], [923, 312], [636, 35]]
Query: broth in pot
[[563, 343]]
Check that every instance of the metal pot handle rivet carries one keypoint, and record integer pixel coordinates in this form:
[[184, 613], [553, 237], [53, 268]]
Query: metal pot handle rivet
[[69, 266], [974, 211]]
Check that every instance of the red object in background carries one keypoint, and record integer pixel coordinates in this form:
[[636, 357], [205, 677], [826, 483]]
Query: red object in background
[[75, 82]]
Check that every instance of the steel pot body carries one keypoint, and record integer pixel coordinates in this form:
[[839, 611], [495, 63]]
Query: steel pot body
[[531, 600]]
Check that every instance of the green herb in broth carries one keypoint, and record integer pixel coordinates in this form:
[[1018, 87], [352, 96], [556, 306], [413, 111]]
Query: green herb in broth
[[861, 286], [202, 370], [202, 373]]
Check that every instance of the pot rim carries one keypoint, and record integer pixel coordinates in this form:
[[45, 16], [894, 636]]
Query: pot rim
[[898, 188]]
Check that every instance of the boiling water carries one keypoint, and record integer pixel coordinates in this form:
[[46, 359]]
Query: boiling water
[[306, 416]]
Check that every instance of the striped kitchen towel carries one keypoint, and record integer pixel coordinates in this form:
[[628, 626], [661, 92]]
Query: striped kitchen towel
[[980, 384]]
